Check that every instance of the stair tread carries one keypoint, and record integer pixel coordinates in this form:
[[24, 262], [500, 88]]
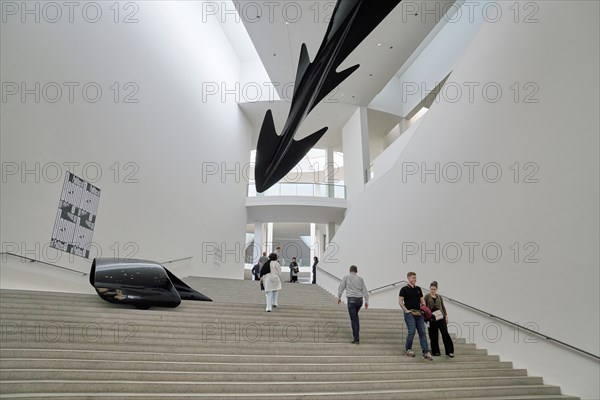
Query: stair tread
[[171, 355]]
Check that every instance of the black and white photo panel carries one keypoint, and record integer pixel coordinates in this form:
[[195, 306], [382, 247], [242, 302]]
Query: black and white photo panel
[[76, 216]]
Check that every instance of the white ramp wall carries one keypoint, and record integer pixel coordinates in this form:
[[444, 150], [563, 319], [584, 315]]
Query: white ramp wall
[[496, 196], [135, 118]]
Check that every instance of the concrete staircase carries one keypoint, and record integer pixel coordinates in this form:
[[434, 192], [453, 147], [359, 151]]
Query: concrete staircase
[[77, 346]]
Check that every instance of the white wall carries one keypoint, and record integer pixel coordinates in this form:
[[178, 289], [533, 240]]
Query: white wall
[[554, 221], [355, 139], [155, 203], [388, 158]]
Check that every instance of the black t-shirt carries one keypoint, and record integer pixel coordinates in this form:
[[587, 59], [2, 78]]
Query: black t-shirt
[[412, 297]]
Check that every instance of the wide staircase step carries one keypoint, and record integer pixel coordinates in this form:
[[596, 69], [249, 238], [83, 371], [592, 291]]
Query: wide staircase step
[[77, 346]]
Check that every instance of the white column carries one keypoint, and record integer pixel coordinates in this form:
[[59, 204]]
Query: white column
[[313, 248], [330, 178], [269, 245], [355, 141], [330, 231], [258, 241]]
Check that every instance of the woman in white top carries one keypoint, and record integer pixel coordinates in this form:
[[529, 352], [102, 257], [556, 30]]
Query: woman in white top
[[269, 276]]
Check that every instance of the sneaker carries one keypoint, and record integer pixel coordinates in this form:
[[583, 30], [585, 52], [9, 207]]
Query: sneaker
[[436, 354], [410, 353], [268, 310], [451, 355], [355, 342], [428, 356], [274, 305]]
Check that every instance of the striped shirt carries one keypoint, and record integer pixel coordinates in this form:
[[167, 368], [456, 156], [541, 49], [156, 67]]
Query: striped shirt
[[354, 286]]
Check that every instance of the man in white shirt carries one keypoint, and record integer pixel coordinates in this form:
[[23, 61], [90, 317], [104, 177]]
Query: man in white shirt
[[355, 291]]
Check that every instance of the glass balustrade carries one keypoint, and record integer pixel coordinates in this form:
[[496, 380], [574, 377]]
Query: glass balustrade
[[301, 189]]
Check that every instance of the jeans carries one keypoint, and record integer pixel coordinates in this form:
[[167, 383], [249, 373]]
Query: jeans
[[354, 305], [271, 299], [413, 322]]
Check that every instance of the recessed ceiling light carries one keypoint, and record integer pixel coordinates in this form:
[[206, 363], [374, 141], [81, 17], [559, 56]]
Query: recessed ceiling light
[[378, 44]]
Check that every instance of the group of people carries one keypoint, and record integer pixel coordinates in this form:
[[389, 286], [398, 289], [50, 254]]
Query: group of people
[[412, 302], [267, 271]]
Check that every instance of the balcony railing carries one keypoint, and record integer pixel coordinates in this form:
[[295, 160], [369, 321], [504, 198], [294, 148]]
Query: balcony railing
[[301, 189]]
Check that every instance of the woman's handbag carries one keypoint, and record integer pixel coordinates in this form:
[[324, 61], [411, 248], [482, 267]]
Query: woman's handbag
[[438, 315]]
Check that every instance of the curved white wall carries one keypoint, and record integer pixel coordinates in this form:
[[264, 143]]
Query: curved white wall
[[554, 221], [155, 203]]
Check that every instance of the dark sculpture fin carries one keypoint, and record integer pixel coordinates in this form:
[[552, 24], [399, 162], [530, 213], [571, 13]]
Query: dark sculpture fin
[[303, 65], [340, 14], [268, 140], [369, 15], [298, 149], [185, 292], [332, 82]]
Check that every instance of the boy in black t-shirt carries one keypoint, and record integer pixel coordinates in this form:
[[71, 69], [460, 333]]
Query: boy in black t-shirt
[[411, 300]]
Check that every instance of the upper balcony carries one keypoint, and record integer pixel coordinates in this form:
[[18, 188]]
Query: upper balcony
[[305, 189], [297, 202]]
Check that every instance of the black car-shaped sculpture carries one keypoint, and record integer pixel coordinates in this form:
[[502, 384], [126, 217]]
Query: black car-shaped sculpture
[[141, 283]]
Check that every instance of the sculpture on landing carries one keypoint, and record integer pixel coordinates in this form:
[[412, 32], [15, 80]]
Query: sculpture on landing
[[352, 21], [141, 283]]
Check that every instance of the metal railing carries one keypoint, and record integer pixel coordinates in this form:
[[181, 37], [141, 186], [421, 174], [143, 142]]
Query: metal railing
[[44, 262], [32, 260], [391, 285], [329, 273], [301, 189], [490, 315], [177, 259]]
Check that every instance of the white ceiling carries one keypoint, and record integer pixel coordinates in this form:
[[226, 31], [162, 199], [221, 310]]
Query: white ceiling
[[381, 55]]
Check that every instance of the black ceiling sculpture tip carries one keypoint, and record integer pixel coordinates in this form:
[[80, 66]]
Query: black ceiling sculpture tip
[[352, 21], [141, 283]]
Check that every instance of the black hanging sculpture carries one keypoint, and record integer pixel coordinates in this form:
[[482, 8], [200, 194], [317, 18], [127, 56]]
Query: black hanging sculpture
[[352, 21], [141, 283]]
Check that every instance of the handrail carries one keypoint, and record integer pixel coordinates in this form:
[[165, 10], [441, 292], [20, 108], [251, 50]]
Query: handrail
[[386, 286], [320, 190], [490, 315], [177, 259], [44, 262], [329, 273]]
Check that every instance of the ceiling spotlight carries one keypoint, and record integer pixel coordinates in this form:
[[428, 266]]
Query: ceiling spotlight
[[378, 44]]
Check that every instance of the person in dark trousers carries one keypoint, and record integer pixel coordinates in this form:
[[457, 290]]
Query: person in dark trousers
[[435, 302], [314, 270], [355, 289], [294, 270], [411, 299], [256, 271]]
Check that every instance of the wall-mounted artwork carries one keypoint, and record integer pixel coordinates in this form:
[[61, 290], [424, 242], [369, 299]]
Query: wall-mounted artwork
[[76, 216], [352, 21]]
